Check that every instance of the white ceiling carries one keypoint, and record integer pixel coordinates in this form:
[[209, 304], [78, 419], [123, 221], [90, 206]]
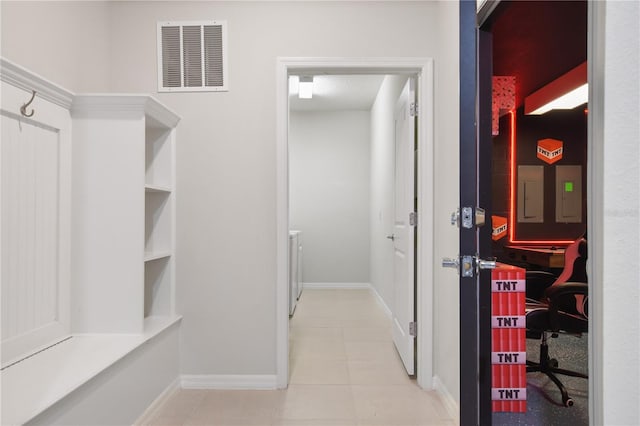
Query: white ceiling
[[337, 92]]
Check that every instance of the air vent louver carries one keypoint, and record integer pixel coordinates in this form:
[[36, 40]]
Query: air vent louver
[[192, 56], [171, 75], [213, 55]]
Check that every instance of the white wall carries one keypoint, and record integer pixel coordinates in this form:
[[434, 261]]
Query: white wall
[[382, 178], [329, 193], [226, 158], [620, 289], [68, 44]]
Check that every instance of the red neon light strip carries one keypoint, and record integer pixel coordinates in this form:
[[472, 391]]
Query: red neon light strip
[[512, 171], [512, 191]]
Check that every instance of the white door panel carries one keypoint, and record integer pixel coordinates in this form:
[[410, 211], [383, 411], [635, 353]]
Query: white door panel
[[35, 212], [403, 231]]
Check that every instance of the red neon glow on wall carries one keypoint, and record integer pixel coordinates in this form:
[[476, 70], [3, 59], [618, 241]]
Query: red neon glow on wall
[[512, 191]]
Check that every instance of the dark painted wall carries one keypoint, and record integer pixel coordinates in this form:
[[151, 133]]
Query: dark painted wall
[[568, 126]]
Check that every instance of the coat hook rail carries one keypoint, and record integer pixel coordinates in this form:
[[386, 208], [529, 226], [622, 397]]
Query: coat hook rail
[[23, 108]]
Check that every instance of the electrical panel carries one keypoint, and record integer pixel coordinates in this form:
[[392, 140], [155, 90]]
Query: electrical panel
[[531, 194], [569, 194]]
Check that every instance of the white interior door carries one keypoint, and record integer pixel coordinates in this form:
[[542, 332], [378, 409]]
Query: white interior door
[[403, 228]]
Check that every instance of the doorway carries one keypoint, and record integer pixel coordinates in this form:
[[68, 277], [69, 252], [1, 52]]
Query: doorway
[[422, 69], [353, 193]]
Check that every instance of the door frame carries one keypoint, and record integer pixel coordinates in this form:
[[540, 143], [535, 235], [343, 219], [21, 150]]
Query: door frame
[[596, 31], [422, 68]]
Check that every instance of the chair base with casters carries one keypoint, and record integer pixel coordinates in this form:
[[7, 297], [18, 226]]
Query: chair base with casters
[[566, 311], [549, 366]]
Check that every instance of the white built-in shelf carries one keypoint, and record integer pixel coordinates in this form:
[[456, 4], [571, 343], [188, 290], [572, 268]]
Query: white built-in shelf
[[37, 383], [149, 256], [157, 116], [157, 189], [117, 261]]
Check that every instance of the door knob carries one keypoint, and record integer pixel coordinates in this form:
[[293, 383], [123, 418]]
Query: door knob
[[450, 263], [392, 237], [465, 264], [486, 264]]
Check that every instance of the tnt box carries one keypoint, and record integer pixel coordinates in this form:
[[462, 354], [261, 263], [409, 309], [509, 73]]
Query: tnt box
[[508, 339], [550, 150], [499, 227]]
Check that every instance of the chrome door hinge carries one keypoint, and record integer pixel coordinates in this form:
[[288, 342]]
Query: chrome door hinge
[[413, 109], [413, 219], [413, 329]]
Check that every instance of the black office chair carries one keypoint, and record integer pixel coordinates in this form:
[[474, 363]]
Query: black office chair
[[574, 270], [537, 283], [563, 308]]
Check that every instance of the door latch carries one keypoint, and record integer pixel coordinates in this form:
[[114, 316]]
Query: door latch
[[480, 217], [468, 217], [466, 266]]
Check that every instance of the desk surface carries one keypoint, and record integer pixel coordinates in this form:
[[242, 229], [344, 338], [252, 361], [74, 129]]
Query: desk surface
[[537, 249], [542, 256]]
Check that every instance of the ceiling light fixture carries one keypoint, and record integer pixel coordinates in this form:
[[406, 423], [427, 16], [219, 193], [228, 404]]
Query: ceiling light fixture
[[305, 87], [566, 92]]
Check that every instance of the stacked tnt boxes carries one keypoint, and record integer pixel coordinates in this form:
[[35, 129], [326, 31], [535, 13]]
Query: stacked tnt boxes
[[508, 346]]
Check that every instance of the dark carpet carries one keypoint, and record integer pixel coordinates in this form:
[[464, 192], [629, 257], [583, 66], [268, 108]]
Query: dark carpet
[[544, 401]]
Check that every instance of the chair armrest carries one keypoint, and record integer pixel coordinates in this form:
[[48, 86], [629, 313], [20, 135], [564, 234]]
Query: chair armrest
[[556, 291], [554, 295], [541, 275]]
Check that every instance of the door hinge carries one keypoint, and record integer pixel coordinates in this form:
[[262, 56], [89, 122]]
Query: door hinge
[[413, 219], [413, 109], [413, 329]]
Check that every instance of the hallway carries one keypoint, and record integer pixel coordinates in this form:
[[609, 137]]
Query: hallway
[[344, 371]]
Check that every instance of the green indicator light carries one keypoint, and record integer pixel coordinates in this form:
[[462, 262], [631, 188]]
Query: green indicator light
[[568, 187]]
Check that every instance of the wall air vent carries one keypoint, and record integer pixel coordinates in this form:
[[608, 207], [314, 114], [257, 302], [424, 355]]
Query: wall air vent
[[192, 56]]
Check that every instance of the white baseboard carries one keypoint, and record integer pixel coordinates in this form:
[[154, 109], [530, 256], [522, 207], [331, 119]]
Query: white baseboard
[[448, 400], [228, 381], [148, 414], [381, 302], [336, 286]]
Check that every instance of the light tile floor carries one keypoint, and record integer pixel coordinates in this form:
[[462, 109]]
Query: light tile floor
[[344, 371]]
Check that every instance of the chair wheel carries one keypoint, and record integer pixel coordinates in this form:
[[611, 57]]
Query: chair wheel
[[568, 402], [553, 363]]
